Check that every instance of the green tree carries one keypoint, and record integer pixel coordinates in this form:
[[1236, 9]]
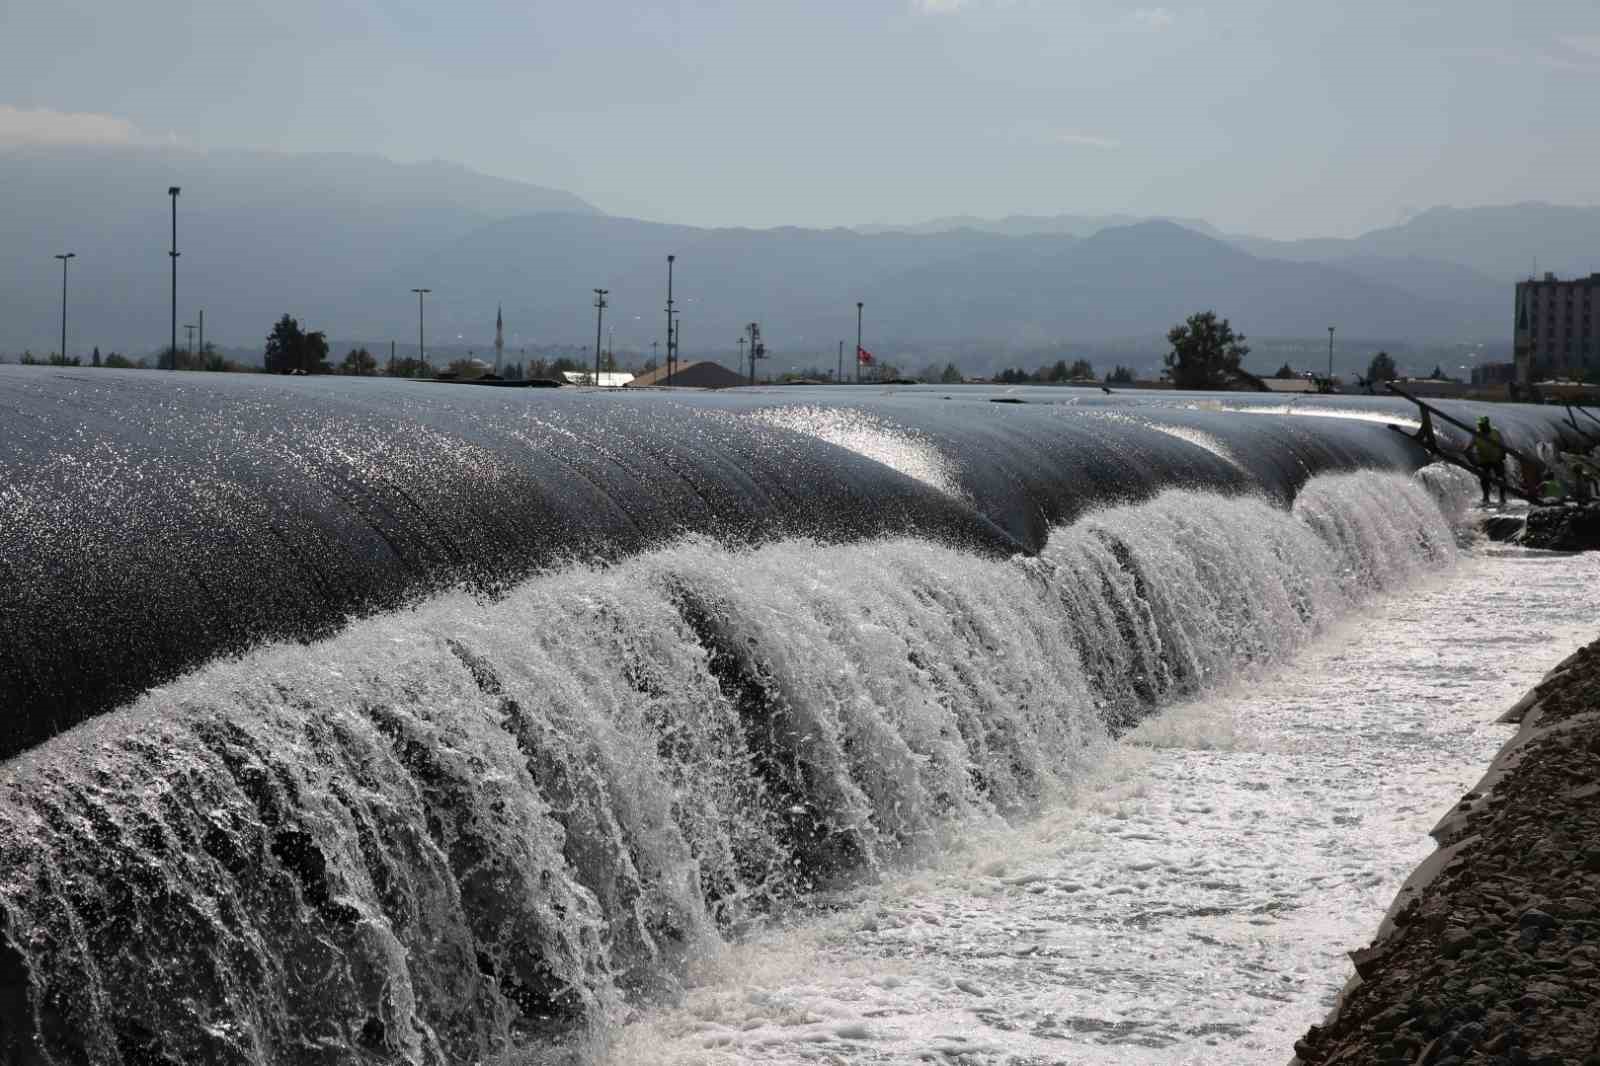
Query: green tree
[[1205, 352], [1285, 372], [1120, 376], [96, 356], [119, 362], [1013, 377], [465, 369], [1080, 369], [290, 349], [951, 375], [1382, 368], [358, 361]]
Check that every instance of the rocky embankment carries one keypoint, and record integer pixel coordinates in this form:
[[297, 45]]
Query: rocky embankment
[[1569, 528], [1491, 952]]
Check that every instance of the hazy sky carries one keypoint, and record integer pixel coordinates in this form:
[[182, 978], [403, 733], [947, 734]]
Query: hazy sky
[[1286, 119]]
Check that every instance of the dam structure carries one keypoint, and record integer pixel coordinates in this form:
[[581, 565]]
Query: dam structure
[[368, 721]]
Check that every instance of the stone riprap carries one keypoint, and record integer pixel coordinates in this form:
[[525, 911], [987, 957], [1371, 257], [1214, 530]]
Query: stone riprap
[[1491, 952], [1563, 528]]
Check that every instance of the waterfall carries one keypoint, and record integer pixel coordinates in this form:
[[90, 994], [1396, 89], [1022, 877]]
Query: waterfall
[[459, 828]]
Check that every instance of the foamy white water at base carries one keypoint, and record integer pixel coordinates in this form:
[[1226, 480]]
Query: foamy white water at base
[[1194, 900]]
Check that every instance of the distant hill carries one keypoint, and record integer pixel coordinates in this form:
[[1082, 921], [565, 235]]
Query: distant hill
[[1500, 243], [258, 233], [958, 290], [1039, 225], [340, 240]]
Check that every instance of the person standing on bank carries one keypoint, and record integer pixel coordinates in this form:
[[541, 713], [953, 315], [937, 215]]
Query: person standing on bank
[[1490, 452]]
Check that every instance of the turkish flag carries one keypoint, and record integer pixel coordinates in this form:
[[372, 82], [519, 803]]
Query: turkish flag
[[863, 356]]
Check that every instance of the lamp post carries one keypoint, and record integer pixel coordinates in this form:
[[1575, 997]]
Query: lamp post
[[422, 352], [839, 377], [671, 345], [599, 317], [173, 191], [741, 360], [64, 258], [189, 327], [859, 306], [1330, 357]]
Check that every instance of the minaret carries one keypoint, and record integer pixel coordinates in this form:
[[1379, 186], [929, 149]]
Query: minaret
[[499, 339]]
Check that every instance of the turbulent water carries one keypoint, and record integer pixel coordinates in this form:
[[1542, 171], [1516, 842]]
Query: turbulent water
[[467, 828], [1193, 900]]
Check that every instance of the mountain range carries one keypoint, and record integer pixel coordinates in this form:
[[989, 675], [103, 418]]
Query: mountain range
[[341, 240]]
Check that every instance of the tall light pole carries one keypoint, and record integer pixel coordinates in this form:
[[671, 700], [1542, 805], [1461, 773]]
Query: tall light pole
[[422, 351], [202, 333], [741, 359], [840, 377], [599, 316], [859, 306], [1330, 357], [189, 326], [757, 349], [671, 346], [64, 258], [173, 191]]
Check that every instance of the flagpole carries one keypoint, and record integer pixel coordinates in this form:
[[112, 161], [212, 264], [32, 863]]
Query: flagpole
[[859, 305]]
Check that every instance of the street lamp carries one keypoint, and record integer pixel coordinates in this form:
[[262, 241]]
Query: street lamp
[[172, 347], [422, 351], [64, 258], [190, 327], [599, 316], [670, 345], [1330, 357]]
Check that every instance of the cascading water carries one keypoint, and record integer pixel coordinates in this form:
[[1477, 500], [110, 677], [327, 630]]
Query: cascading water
[[456, 829]]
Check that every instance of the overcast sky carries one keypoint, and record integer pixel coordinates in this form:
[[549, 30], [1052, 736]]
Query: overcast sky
[[1280, 118]]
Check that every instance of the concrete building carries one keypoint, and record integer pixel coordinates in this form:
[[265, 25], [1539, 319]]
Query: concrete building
[[1557, 326], [1289, 384], [1494, 373], [609, 379]]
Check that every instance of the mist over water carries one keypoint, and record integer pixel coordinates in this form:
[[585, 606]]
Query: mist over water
[[459, 829]]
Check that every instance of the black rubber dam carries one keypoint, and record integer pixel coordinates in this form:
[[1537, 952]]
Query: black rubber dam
[[374, 721]]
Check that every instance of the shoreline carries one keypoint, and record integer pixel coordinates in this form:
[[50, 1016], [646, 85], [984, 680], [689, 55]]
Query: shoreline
[[1490, 952]]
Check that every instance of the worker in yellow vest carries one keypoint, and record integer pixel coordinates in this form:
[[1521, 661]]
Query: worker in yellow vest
[[1490, 452]]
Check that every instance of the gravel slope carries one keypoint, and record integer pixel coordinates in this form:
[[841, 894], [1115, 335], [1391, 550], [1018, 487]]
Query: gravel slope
[[1491, 952]]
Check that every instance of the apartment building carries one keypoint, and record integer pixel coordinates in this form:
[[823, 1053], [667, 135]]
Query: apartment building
[[1557, 326]]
